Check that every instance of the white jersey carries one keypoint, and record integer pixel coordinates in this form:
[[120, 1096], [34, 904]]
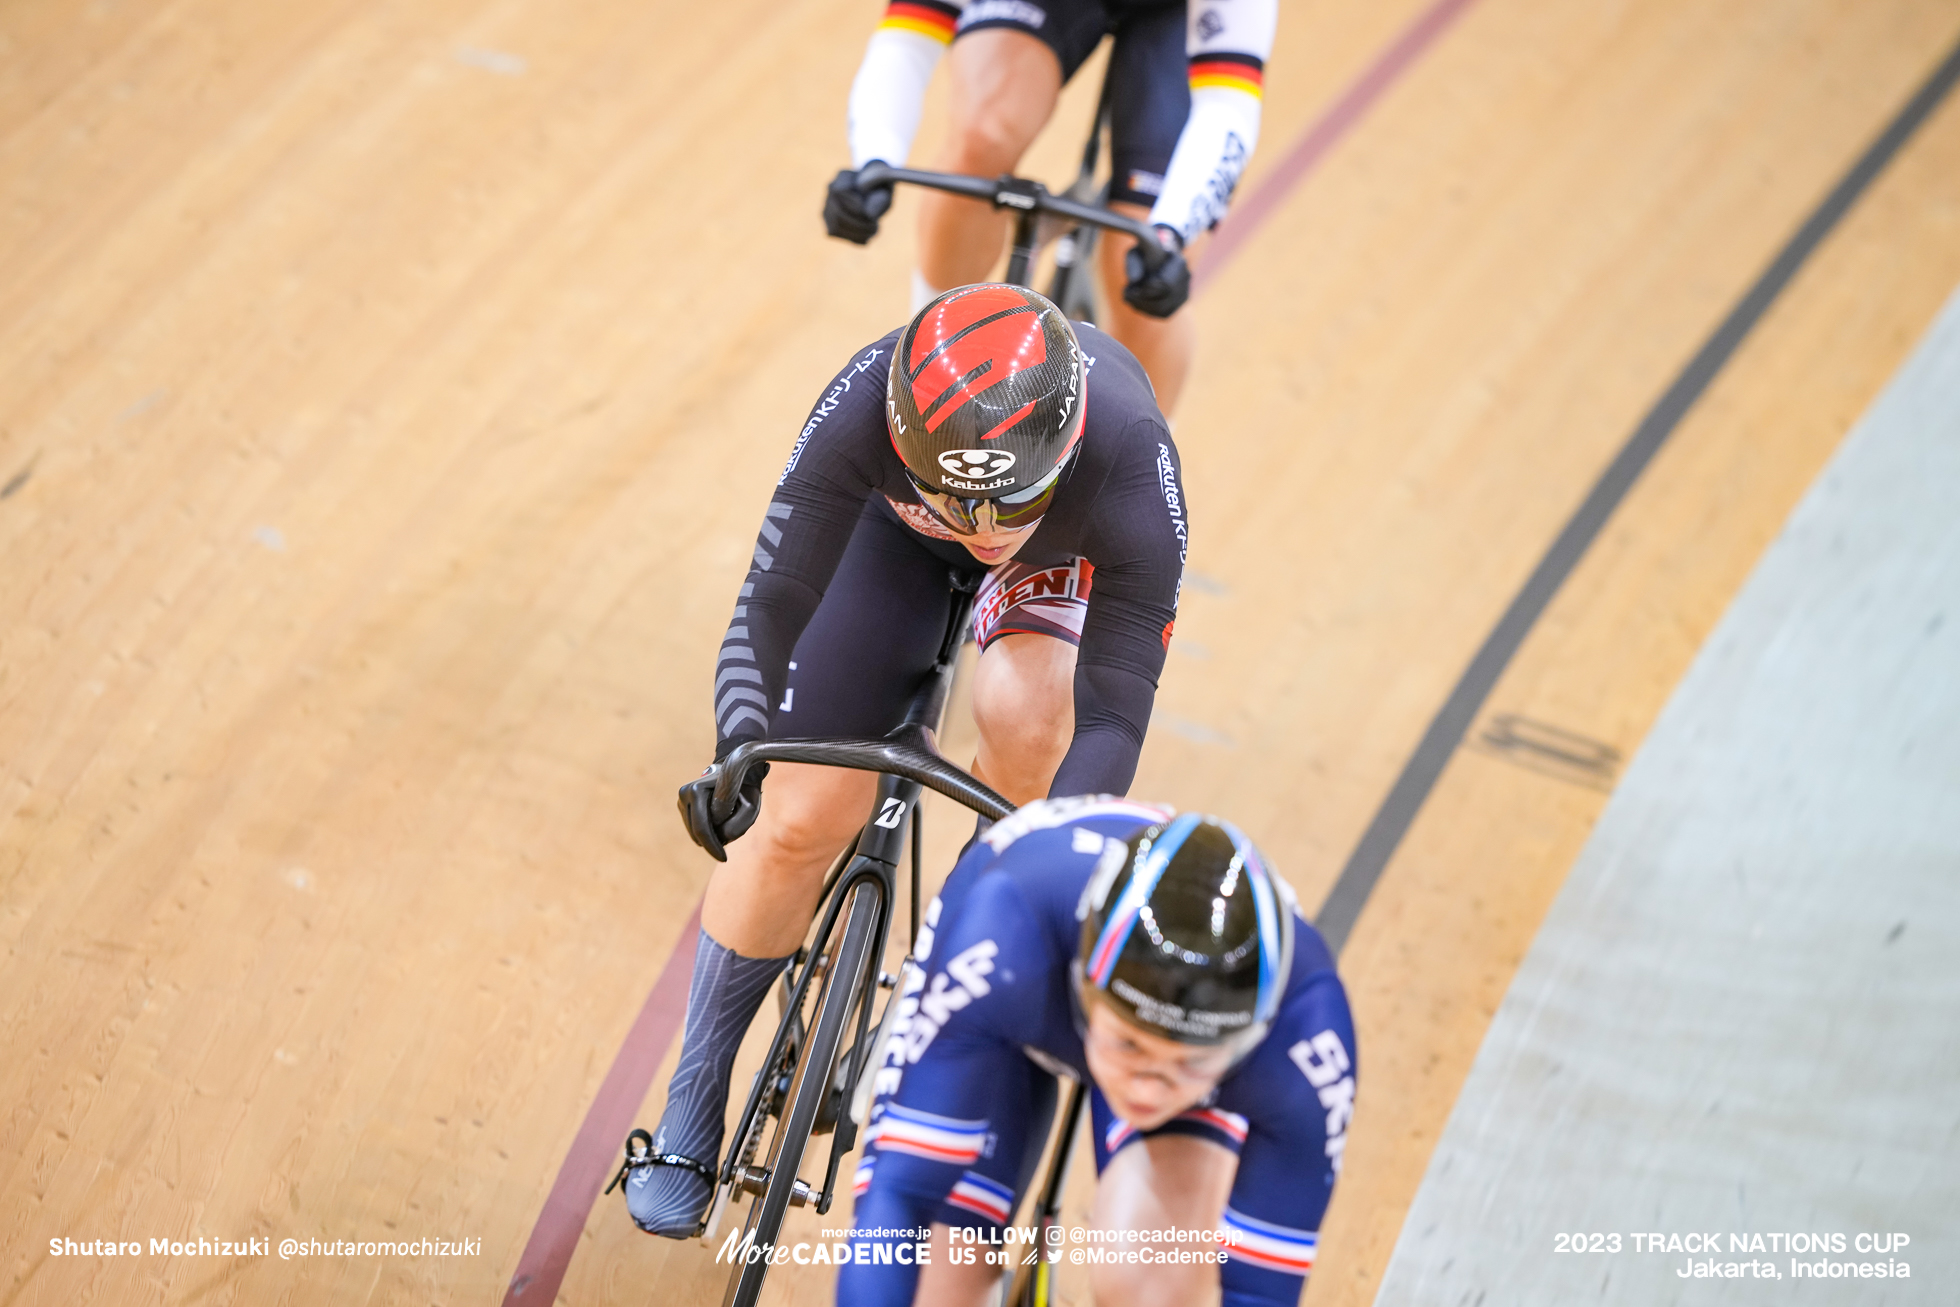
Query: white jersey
[[1227, 43]]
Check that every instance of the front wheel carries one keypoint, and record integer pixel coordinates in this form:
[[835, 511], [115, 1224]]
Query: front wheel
[[843, 987]]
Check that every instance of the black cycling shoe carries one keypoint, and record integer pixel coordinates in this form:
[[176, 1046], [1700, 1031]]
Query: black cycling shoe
[[664, 1209]]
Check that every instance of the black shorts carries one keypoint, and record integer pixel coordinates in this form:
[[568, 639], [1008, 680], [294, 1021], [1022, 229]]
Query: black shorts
[[883, 616], [1149, 85]]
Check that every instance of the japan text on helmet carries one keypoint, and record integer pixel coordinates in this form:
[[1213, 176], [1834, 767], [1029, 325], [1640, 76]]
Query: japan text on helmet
[[1187, 933], [985, 404]]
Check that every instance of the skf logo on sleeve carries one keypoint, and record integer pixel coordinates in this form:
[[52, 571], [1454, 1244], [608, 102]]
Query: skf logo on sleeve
[[926, 1008], [1325, 1064]]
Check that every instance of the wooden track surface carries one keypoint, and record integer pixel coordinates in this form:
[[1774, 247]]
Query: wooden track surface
[[389, 397]]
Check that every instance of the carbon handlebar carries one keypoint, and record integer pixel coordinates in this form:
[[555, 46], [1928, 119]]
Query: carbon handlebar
[[1009, 192], [907, 751]]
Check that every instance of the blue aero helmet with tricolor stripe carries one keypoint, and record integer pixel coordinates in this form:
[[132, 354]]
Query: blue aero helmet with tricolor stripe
[[1187, 933], [985, 403]]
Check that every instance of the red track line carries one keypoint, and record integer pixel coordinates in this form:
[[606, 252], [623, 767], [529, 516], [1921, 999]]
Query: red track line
[[542, 1267], [597, 1145], [1322, 135]]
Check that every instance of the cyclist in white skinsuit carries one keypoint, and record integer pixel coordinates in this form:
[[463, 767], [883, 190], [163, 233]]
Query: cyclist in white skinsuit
[[1186, 81]]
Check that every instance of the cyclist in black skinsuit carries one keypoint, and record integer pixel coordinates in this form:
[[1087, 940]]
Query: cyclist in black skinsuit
[[1077, 537]]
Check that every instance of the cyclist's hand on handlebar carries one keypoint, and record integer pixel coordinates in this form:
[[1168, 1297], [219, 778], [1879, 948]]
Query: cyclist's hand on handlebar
[[850, 211], [1159, 290], [697, 799]]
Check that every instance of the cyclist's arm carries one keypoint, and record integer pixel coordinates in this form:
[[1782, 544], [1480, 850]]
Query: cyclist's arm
[[946, 1075], [1228, 43], [1305, 1081], [804, 533], [1139, 565], [891, 83]]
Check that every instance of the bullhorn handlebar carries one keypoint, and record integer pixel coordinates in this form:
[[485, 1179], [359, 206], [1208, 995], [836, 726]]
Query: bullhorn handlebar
[[908, 751]]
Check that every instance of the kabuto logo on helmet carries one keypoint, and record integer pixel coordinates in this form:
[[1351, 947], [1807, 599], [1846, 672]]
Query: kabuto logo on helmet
[[983, 371], [977, 464]]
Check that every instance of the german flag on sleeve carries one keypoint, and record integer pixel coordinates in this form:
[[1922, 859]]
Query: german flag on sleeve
[[1232, 72], [922, 16]]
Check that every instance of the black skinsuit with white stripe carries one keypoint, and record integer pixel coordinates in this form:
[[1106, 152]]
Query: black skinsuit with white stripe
[[847, 584]]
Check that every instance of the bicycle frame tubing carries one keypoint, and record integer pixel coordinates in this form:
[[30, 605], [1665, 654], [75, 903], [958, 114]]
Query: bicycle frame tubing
[[1029, 199], [1033, 1286]]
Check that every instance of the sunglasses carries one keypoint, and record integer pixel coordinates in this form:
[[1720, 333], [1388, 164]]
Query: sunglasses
[[1007, 515]]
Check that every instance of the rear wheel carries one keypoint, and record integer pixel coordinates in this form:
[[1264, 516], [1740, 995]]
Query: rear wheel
[[845, 985]]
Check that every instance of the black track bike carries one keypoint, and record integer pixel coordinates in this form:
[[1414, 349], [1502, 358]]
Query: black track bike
[[815, 1078], [826, 1043]]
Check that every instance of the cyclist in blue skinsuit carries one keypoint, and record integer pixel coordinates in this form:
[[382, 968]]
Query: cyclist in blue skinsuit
[[1157, 956]]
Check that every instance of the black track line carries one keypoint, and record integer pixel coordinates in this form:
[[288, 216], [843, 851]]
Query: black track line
[[1419, 776]]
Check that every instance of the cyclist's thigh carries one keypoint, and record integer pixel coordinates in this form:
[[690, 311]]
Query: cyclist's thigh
[[1176, 1176], [1021, 686], [1174, 1186], [1165, 1181], [1150, 97], [1023, 1098], [872, 638], [1002, 85], [1024, 696], [1113, 1134], [1071, 29]]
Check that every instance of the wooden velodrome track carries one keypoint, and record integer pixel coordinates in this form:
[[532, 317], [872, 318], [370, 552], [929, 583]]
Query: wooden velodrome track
[[390, 394]]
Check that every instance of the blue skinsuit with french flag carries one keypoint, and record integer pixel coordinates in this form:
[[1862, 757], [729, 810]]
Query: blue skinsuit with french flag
[[990, 1014]]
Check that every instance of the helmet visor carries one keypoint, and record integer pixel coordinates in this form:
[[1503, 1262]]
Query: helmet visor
[[1007, 515]]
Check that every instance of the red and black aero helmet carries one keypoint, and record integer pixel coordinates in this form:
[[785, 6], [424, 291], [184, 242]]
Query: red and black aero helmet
[[985, 403]]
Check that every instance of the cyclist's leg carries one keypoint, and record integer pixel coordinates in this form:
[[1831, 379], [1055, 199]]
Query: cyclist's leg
[[908, 1188], [1024, 706], [1169, 1182], [1177, 1176], [1150, 97], [876, 632], [942, 1283], [1005, 71], [1028, 619], [856, 665], [760, 901], [1003, 86], [1165, 346]]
